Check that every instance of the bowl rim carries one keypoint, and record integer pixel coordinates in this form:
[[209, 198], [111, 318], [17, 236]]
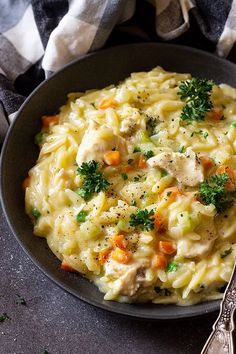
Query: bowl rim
[[127, 312]]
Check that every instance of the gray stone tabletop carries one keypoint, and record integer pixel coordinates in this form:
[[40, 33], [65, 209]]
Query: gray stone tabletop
[[54, 321]]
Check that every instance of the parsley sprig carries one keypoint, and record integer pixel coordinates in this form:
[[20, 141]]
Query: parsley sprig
[[81, 216], [213, 191], [143, 219], [149, 154], [172, 267], [226, 253], [196, 94], [199, 132], [93, 180], [151, 125], [35, 213]]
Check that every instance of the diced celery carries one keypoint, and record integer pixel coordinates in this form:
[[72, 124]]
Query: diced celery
[[184, 221], [38, 139], [36, 213], [143, 137], [164, 173], [233, 124], [194, 220], [122, 225]]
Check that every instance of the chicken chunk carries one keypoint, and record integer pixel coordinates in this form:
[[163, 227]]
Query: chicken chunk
[[184, 167], [199, 248], [129, 278], [96, 142], [128, 126]]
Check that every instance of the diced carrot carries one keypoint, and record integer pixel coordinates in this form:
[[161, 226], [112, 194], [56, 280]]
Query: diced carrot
[[49, 120], [216, 113], [65, 266], [142, 162], [26, 182], [112, 158], [108, 103], [127, 168], [119, 241], [103, 256], [121, 256], [207, 162], [225, 169], [160, 261], [167, 247], [230, 184], [159, 222], [170, 194]]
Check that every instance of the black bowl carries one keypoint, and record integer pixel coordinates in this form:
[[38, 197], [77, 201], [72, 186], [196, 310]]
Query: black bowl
[[19, 152]]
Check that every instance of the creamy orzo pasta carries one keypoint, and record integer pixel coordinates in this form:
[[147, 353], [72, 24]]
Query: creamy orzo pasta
[[134, 187]]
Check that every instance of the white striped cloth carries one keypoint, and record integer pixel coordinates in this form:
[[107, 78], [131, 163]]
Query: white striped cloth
[[40, 37]]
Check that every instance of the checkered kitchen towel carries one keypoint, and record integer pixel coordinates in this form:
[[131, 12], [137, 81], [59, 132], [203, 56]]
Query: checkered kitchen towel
[[38, 37]]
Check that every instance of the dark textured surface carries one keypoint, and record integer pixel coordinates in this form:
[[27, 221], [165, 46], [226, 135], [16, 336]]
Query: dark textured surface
[[55, 321]]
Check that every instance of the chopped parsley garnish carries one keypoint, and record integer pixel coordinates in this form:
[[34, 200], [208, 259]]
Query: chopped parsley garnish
[[133, 202], [137, 178], [38, 139], [172, 267], [226, 253], [149, 154], [143, 219], [182, 149], [20, 300], [36, 214], [3, 317], [151, 125], [94, 180], [124, 176], [200, 132], [213, 191], [93, 104], [196, 95], [130, 161], [81, 216], [164, 173], [136, 149]]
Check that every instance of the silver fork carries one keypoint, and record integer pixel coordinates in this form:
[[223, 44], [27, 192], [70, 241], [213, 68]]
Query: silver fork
[[221, 338]]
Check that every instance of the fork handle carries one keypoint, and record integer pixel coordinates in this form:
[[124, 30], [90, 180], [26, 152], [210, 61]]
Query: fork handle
[[221, 338]]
